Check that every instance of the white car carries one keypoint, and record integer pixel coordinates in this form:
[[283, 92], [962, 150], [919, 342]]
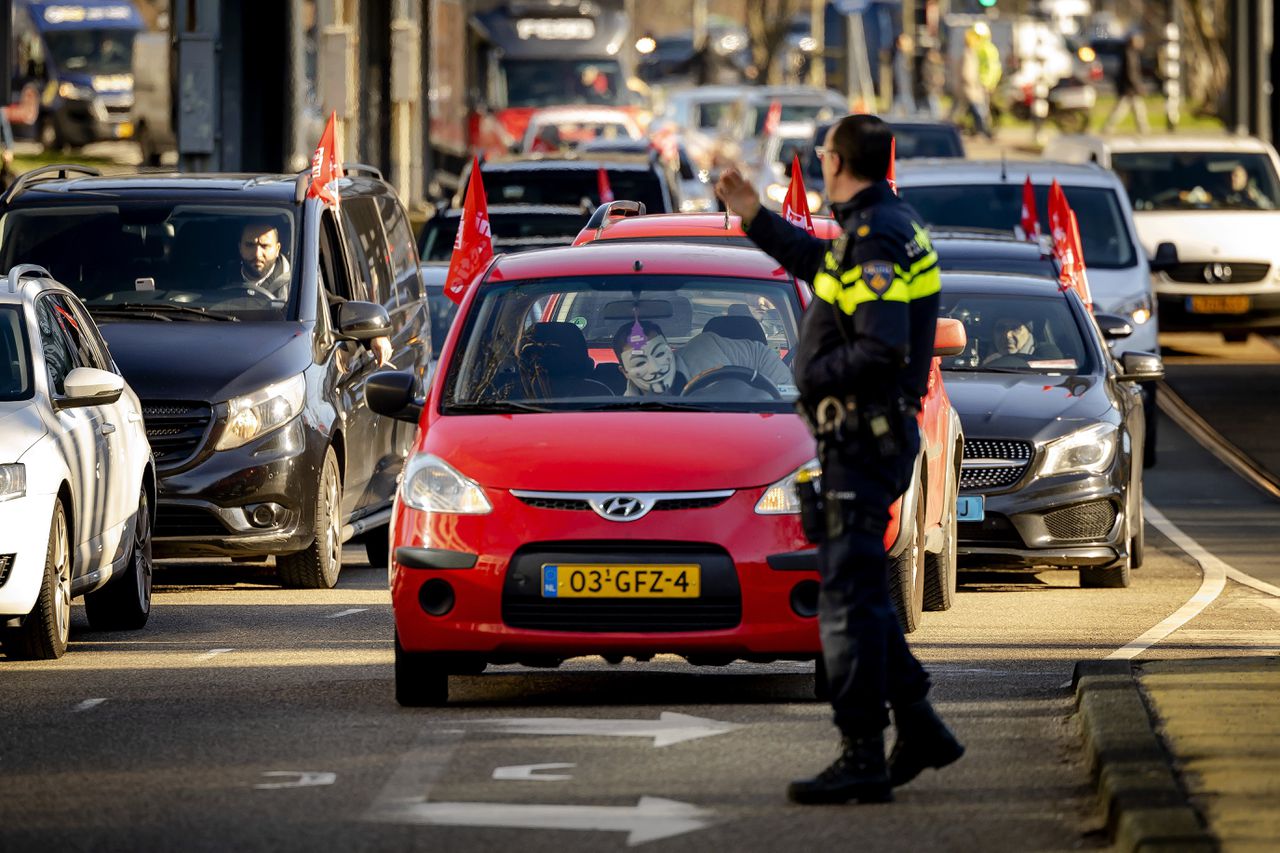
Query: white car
[[77, 486], [557, 128], [1207, 209]]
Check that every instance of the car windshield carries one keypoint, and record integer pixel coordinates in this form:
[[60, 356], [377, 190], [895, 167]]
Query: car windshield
[[554, 82], [909, 141], [525, 230], [717, 115], [607, 343], [999, 207], [92, 51], [1023, 334], [15, 355], [569, 186], [1198, 180], [160, 260], [791, 112]]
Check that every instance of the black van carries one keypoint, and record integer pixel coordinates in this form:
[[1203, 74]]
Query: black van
[[245, 315]]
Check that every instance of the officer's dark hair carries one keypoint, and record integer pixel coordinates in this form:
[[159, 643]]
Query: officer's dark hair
[[651, 331], [863, 143]]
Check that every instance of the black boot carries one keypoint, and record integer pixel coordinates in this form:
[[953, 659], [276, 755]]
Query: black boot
[[923, 741], [858, 774]]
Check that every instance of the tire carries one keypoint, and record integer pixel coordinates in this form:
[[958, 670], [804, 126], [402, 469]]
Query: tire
[[50, 139], [1114, 576], [421, 680], [906, 581], [1151, 418], [821, 688], [940, 575], [1138, 534], [46, 631], [318, 565], [124, 604], [377, 545]]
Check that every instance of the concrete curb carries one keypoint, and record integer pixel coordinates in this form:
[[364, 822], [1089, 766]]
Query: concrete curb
[[1142, 801]]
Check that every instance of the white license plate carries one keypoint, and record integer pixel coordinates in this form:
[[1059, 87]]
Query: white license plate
[[970, 508]]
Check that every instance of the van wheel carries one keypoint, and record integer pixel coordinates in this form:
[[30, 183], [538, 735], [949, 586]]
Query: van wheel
[[906, 584], [50, 140], [45, 632], [318, 565], [422, 681], [125, 602]]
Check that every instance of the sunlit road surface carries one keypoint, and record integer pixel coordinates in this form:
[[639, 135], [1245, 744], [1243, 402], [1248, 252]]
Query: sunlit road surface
[[253, 718]]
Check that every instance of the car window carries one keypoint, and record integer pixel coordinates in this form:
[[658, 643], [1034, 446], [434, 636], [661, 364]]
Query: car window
[[592, 343], [793, 112], [571, 186], [404, 259], [922, 141], [1031, 334], [59, 356], [1103, 230], [15, 355], [368, 247], [79, 334], [443, 310], [1198, 180], [509, 230]]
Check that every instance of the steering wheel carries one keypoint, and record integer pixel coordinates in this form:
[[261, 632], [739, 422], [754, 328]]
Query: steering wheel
[[730, 373], [254, 289], [1008, 360]]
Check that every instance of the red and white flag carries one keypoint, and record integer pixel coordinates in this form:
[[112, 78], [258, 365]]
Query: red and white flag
[[1030, 220], [473, 246], [795, 207], [892, 175], [326, 165], [1059, 219], [773, 118], [603, 187], [1079, 275]]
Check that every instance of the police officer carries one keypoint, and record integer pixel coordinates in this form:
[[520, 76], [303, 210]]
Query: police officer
[[861, 364]]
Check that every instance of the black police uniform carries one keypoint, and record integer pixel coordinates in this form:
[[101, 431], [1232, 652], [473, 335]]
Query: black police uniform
[[862, 366]]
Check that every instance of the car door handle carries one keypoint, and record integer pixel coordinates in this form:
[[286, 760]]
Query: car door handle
[[107, 429]]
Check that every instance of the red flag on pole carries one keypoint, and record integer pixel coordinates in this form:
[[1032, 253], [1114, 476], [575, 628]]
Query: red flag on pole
[[602, 185], [1030, 220], [795, 207], [1081, 278], [473, 247], [892, 176], [773, 118], [326, 165]]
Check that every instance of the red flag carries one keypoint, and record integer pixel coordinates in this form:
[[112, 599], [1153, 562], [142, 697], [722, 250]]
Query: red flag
[[602, 185], [795, 207], [892, 176], [1030, 221], [473, 246], [326, 165], [1077, 251], [773, 118], [1059, 219]]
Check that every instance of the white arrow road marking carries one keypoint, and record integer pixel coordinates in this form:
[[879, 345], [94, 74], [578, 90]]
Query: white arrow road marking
[[350, 612], [305, 779], [669, 728], [213, 653], [87, 704], [650, 819], [523, 772]]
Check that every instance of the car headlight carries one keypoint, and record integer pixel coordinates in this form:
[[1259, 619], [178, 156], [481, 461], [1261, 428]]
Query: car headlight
[[72, 92], [776, 193], [432, 485], [815, 200], [781, 497], [13, 481], [1139, 310], [697, 205], [1089, 450], [254, 415]]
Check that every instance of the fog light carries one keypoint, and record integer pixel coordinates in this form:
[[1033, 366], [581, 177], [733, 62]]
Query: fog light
[[264, 515], [804, 599], [436, 597]]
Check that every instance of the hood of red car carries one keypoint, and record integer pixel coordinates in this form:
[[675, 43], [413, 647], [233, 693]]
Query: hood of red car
[[622, 451]]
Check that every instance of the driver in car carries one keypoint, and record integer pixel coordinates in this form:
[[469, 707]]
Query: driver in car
[[261, 263], [653, 367]]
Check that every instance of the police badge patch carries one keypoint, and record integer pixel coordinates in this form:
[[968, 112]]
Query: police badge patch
[[878, 275]]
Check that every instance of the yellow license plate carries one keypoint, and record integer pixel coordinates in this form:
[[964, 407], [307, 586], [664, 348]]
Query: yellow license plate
[[578, 580], [1219, 304], [124, 130]]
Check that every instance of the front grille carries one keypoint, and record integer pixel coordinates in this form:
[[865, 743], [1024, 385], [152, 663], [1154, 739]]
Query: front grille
[[1092, 520], [994, 530], [689, 503], [175, 429], [982, 468], [580, 504], [1219, 272], [555, 503], [6, 564], [187, 521], [718, 608]]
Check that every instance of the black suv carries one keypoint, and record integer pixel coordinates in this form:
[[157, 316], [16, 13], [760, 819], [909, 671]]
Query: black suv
[[244, 316], [573, 179]]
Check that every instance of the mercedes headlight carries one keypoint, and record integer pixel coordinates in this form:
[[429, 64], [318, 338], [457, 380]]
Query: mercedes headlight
[[432, 485], [13, 481], [71, 92], [1139, 310], [1089, 450], [781, 497], [776, 193], [254, 415]]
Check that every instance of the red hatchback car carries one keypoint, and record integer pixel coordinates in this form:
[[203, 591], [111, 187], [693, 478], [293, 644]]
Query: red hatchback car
[[605, 465]]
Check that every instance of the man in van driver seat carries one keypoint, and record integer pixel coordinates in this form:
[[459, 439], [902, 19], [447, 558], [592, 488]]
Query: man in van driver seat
[[653, 367], [261, 263]]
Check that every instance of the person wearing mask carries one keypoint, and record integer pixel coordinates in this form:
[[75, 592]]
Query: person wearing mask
[[861, 366]]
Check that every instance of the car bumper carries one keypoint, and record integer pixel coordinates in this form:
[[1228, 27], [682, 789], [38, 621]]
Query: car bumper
[[83, 123], [24, 538], [1263, 313], [206, 510]]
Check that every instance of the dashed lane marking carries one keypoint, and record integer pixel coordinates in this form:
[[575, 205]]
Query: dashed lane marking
[[349, 612], [213, 653], [88, 704]]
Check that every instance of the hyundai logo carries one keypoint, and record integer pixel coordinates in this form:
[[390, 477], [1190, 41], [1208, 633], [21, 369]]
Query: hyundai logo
[[1217, 273], [622, 508]]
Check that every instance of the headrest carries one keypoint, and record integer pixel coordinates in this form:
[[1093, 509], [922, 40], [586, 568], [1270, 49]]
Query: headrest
[[558, 348], [740, 328]]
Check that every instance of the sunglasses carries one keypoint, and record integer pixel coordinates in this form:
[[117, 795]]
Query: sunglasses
[[820, 151]]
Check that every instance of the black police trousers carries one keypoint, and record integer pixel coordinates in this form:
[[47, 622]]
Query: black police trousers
[[868, 663]]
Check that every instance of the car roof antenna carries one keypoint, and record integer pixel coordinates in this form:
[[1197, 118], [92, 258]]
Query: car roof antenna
[[726, 218], [1004, 165]]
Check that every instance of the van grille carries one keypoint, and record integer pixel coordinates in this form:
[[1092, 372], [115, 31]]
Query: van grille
[[175, 429]]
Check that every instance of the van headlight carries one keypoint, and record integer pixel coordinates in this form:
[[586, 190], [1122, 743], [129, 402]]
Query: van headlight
[[1089, 450], [432, 485], [1139, 310], [71, 92], [781, 497], [254, 415], [13, 481]]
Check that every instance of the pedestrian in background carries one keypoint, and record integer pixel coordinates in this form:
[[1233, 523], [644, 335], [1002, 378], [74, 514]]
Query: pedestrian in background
[[973, 98], [930, 79], [1129, 87], [861, 365], [904, 102]]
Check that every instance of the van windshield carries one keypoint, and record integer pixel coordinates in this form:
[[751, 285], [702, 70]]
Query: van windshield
[[1198, 180], [92, 51], [160, 260]]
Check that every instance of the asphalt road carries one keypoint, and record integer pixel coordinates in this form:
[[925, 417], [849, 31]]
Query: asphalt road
[[252, 718]]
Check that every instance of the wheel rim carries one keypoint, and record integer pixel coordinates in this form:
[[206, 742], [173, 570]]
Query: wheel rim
[[142, 567], [333, 532], [62, 579]]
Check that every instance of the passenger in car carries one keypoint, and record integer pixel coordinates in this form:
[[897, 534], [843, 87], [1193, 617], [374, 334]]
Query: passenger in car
[[1014, 336], [653, 367]]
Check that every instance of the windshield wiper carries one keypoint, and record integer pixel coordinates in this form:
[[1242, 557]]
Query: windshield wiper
[[650, 405], [495, 407], [158, 310], [1023, 371]]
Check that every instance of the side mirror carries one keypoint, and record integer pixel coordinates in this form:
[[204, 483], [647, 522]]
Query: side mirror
[[1141, 367], [950, 338], [363, 321], [1166, 258], [392, 393], [1113, 326], [88, 386]]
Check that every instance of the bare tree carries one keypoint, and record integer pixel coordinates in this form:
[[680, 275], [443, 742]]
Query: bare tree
[[1205, 30], [768, 22]]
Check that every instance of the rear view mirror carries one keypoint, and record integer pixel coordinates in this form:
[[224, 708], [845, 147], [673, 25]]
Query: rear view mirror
[[1141, 367], [1113, 326], [88, 386], [950, 338], [393, 393], [363, 321], [644, 309], [1166, 258]]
